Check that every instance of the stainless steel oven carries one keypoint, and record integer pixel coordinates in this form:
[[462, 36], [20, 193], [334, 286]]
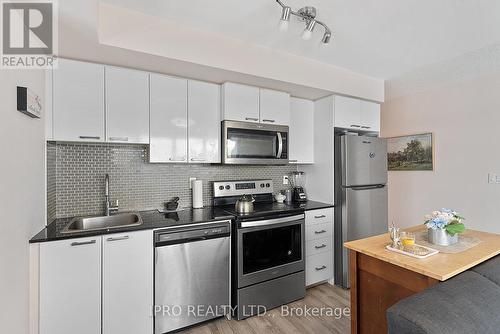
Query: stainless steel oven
[[269, 263], [270, 248], [254, 143]]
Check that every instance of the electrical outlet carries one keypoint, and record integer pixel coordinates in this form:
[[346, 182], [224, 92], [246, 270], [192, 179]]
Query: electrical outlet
[[493, 178], [191, 179], [285, 179]]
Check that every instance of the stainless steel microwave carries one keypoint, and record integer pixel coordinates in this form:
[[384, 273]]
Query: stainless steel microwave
[[254, 143]]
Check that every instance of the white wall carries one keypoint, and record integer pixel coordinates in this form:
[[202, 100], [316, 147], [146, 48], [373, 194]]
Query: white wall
[[464, 116], [22, 196]]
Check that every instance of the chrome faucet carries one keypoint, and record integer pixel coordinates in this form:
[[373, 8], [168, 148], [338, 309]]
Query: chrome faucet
[[110, 209]]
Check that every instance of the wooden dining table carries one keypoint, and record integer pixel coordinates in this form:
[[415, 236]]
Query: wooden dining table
[[380, 278]]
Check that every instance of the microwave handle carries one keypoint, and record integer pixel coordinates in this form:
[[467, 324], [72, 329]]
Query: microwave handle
[[280, 145]]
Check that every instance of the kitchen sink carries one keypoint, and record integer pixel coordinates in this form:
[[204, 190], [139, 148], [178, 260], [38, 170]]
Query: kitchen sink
[[83, 224]]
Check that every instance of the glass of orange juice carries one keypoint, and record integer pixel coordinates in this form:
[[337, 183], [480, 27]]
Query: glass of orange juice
[[407, 238]]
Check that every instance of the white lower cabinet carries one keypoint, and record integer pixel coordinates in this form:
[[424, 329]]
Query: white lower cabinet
[[73, 286], [127, 283], [319, 245], [70, 286]]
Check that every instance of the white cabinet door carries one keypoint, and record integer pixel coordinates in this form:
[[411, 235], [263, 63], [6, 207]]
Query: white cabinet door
[[240, 102], [274, 107], [301, 131], [70, 286], [370, 116], [127, 283], [168, 119], [127, 105], [77, 101], [347, 113], [204, 122]]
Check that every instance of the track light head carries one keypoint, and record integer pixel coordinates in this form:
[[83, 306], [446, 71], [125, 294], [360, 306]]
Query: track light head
[[285, 18], [326, 38], [307, 33]]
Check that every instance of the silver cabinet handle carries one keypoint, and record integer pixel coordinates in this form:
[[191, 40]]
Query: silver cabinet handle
[[118, 138], [81, 243], [320, 268], [269, 120], [366, 127], [125, 237], [251, 119], [176, 159], [319, 247], [320, 232], [320, 216], [89, 137], [193, 159], [355, 126]]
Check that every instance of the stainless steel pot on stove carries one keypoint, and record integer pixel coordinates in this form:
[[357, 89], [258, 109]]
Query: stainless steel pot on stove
[[244, 204]]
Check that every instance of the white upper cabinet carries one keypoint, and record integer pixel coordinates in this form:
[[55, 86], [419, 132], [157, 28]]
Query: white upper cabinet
[[356, 114], [70, 286], [241, 102], [347, 113], [301, 131], [204, 122], [127, 283], [168, 119], [274, 107], [370, 116], [127, 105], [77, 101]]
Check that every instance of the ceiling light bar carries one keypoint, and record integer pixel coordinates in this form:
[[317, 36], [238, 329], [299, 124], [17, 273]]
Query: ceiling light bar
[[307, 14]]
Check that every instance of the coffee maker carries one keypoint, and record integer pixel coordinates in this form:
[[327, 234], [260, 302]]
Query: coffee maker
[[298, 183]]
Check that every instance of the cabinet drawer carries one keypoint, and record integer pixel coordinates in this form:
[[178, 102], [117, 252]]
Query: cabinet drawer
[[317, 246], [319, 268], [319, 216], [319, 231]]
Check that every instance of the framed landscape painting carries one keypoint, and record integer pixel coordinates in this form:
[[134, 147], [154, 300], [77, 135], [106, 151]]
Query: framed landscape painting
[[411, 153]]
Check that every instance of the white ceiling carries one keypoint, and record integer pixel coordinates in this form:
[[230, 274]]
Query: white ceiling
[[379, 38]]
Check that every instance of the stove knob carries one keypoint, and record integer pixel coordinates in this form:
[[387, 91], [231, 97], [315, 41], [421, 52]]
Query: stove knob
[[267, 185], [262, 185], [221, 187], [228, 187]]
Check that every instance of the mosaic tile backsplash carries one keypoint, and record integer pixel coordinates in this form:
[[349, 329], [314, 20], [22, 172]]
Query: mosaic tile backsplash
[[75, 178]]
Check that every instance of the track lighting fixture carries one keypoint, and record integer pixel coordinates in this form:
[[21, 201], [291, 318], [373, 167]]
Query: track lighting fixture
[[306, 14]]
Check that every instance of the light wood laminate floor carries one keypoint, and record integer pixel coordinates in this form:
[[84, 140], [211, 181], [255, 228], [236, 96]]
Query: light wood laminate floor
[[323, 297]]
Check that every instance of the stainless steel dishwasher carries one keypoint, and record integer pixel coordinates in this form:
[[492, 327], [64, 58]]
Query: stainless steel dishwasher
[[192, 275]]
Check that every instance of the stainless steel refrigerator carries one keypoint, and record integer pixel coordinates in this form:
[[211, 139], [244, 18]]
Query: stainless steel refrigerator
[[360, 195]]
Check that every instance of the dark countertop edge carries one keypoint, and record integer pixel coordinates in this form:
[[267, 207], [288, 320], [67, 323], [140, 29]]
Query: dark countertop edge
[[41, 236], [313, 205]]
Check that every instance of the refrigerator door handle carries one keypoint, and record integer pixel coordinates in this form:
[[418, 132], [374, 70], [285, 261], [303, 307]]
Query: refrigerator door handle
[[377, 186]]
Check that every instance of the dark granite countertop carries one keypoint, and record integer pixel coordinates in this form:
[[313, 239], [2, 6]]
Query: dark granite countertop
[[154, 220], [151, 220]]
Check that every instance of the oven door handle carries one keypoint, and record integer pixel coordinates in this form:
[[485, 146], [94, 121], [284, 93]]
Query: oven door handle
[[280, 145], [272, 221]]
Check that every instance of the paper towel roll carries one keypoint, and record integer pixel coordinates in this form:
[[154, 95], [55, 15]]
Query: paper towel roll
[[197, 194]]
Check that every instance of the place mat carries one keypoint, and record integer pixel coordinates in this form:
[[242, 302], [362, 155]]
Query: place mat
[[463, 244]]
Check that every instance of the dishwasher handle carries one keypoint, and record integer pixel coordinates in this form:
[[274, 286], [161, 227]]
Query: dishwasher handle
[[166, 238]]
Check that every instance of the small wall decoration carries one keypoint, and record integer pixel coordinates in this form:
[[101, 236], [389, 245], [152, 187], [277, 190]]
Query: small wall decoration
[[28, 102], [411, 153]]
